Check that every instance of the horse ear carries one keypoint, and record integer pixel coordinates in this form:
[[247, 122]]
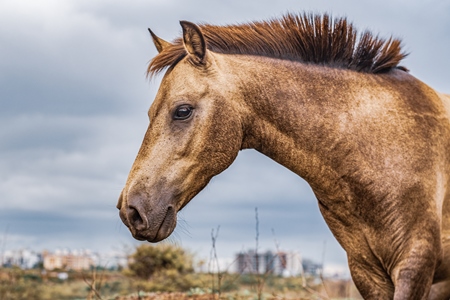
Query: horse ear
[[160, 44], [194, 42]]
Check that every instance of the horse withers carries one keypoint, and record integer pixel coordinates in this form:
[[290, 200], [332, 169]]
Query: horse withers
[[332, 106]]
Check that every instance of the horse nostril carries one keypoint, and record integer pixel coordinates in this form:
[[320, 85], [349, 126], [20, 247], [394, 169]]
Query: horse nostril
[[135, 219]]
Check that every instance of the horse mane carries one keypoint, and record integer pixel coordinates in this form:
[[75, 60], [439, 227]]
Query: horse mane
[[308, 38]]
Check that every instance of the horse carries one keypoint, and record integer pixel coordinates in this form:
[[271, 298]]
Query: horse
[[330, 104]]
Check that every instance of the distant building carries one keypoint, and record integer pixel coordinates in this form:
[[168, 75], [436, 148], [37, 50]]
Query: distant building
[[311, 268], [281, 263], [22, 258], [65, 259], [68, 260], [293, 266]]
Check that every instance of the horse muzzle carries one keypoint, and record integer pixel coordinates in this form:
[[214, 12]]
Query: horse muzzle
[[148, 222]]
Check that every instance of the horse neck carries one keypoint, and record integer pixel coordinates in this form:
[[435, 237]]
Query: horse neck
[[292, 116]]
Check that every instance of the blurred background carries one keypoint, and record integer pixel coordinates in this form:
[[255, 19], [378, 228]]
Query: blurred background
[[73, 111]]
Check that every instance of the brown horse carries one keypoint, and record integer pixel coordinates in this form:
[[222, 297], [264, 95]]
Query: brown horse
[[332, 106]]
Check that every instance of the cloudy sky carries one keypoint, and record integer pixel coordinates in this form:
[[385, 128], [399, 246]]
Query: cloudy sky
[[74, 100]]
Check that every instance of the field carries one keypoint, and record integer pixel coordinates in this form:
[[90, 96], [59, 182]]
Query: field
[[102, 284]]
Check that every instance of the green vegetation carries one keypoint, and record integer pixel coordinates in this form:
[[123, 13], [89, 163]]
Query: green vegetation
[[149, 261], [109, 285], [164, 272], [18, 284]]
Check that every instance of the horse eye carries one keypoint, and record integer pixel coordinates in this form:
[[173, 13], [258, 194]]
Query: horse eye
[[183, 112]]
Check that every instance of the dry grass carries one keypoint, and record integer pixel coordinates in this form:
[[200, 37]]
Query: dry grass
[[19, 284], [167, 296], [276, 288]]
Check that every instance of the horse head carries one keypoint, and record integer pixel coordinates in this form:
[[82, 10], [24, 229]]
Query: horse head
[[193, 135]]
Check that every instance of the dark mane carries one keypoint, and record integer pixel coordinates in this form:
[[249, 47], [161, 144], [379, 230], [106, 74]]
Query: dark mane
[[307, 38]]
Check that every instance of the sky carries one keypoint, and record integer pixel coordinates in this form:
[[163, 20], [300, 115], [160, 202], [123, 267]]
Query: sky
[[73, 112]]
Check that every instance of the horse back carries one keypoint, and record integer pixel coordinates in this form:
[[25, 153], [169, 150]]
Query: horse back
[[442, 273], [445, 98]]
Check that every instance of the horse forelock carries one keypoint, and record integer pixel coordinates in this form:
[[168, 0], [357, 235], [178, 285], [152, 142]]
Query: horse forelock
[[309, 38]]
